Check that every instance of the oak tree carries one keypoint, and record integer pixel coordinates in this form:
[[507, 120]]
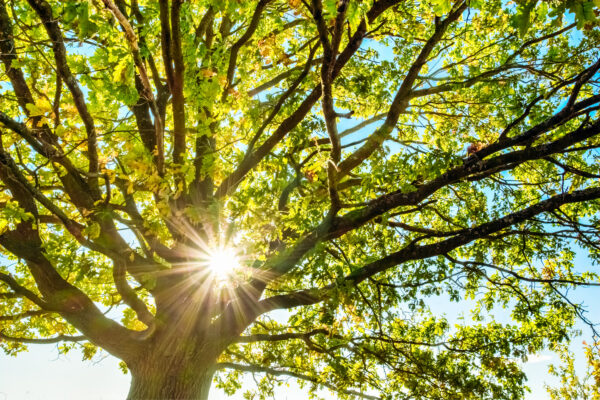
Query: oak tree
[[291, 188]]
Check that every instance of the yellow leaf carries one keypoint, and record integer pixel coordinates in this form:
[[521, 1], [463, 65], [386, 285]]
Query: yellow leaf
[[3, 226], [130, 187], [42, 108], [34, 111], [60, 131], [207, 73], [120, 72], [93, 230]]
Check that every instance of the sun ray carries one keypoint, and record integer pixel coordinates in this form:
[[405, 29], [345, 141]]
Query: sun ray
[[223, 262]]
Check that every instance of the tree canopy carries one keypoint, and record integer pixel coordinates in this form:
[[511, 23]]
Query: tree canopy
[[286, 188]]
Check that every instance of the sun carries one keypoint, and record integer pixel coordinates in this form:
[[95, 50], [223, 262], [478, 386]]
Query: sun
[[222, 262]]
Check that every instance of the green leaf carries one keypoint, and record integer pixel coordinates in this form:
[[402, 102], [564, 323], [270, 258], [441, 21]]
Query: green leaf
[[93, 230], [122, 71], [522, 19], [441, 7], [34, 110]]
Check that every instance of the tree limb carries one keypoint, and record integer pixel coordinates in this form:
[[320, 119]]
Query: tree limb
[[296, 375]]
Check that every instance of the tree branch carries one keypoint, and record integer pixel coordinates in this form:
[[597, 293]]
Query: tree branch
[[276, 338], [23, 315], [44, 11], [278, 372], [178, 82], [402, 98], [147, 89], [57, 339], [229, 184], [23, 291], [415, 252], [262, 4]]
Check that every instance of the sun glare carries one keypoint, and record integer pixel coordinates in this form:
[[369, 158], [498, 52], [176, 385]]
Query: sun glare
[[222, 262]]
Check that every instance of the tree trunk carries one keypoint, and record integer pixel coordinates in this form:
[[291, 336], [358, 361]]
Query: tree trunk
[[159, 384], [172, 376]]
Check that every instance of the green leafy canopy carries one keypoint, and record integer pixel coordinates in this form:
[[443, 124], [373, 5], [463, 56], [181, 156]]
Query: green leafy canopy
[[290, 189]]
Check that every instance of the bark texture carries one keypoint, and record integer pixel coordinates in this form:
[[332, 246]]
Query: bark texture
[[173, 373]]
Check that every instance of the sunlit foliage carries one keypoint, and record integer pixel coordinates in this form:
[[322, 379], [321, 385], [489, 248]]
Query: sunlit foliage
[[301, 189]]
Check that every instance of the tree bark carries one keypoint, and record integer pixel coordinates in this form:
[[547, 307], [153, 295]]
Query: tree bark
[[156, 383], [180, 374]]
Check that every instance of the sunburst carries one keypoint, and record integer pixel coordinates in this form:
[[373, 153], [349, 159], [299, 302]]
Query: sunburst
[[223, 262]]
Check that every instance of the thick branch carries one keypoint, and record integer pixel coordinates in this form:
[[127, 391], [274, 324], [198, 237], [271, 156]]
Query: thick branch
[[230, 182], [415, 252], [8, 55], [402, 98], [44, 11], [443, 247], [23, 291], [330, 229]]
